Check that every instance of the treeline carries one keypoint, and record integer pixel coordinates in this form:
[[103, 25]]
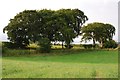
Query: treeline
[[36, 25], [46, 26]]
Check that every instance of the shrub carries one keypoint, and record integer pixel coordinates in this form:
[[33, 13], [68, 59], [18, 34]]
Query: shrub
[[44, 45], [4, 50], [110, 44], [87, 46], [7, 45], [11, 45]]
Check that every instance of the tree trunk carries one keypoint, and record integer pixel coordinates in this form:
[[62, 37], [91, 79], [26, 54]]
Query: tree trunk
[[67, 46], [62, 44], [93, 43], [101, 43]]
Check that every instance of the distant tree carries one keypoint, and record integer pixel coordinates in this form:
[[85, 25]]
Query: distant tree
[[98, 32], [108, 32]]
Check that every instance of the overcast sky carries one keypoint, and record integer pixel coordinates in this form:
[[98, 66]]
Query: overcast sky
[[105, 11]]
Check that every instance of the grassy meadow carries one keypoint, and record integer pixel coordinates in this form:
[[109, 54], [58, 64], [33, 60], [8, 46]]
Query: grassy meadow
[[74, 63]]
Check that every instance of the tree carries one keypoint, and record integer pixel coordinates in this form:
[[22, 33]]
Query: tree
[[19, 30], [72, 21], [68, 36], [98, 32], [34, 25]]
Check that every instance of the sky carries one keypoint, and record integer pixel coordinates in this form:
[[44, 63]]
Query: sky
[[105, 11]]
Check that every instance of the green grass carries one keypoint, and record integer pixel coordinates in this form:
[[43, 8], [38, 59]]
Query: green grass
[[63, 64], [0, 67]]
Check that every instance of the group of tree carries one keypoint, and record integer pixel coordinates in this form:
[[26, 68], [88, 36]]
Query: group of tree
[[46, 26], [99, 32], [37, 25]]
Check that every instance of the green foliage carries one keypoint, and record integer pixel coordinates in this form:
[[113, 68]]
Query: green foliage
[[110, 44], [98, 32], [9, 45], [22, 28], [31, 25], [87, 46], [45, 45], [4, 50]]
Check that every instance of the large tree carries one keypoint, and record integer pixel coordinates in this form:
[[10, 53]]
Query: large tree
[[72, 21], [20, 29], [98, 32], [32, 25]]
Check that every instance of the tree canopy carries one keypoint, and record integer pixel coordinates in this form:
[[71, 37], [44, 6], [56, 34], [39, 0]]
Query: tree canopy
[[98, 32], [33, 25]]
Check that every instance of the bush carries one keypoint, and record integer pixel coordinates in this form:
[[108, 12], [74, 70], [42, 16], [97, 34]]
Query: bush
[[110, 44], [87, 46], [45, 45], [11, 45], [8, 45]]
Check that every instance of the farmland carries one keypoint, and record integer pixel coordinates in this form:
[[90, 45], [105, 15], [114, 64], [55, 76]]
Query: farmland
[[63, 64]]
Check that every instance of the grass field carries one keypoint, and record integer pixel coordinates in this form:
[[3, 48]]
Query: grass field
[[66, 64]]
